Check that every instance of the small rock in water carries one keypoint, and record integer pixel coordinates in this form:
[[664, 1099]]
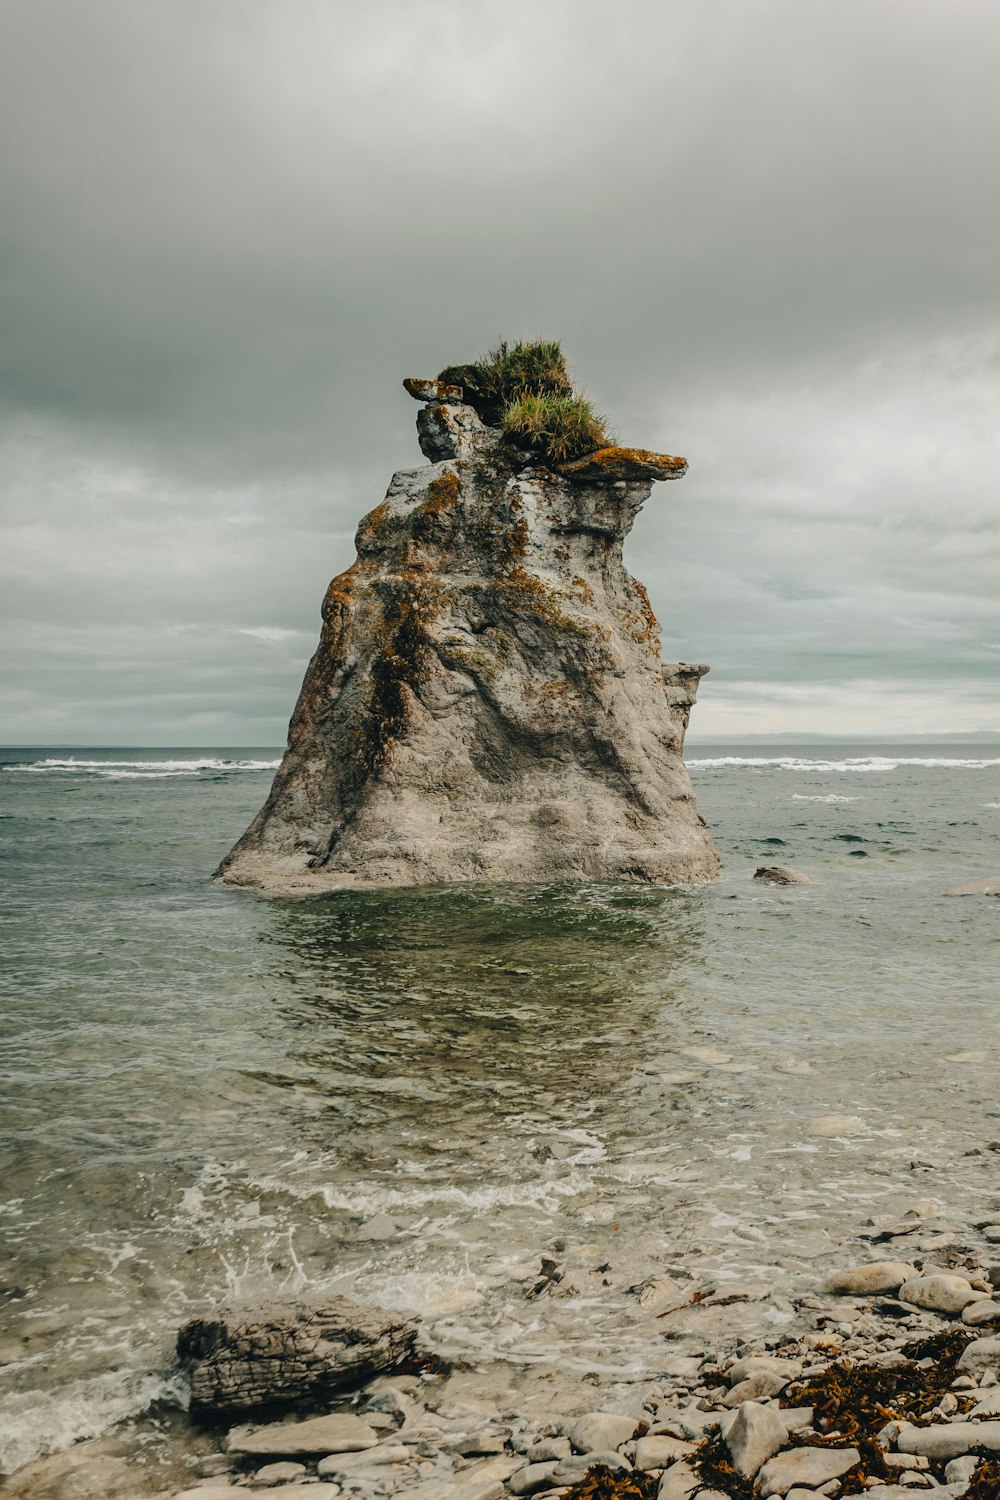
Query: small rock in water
[[988, 887], [780, 875], [938, 1293], [868, 1280], [378, 1227], [598, 1431]]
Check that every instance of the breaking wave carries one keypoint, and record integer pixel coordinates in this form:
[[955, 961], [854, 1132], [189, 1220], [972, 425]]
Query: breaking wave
[[139, 770], [860, 764]]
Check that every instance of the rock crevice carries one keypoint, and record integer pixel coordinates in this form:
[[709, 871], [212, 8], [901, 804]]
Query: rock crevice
[[487, 701]]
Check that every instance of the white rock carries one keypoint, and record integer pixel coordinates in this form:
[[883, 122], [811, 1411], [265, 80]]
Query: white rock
[[756, 1387], [548, 1450], [869, 1280], [978, 1314], [276, 1474], [601, 1430], [751, 1364], [306, 1491], [989, 1406], [678, 1482], [340, 1432], [980, 1355], [938, 1293], [960, 1470], [532, 1477], [795, 1417], [949, 1439], [370, 1458], [755, 1436], [806, 1467], [571, 1470], [659, 1452]]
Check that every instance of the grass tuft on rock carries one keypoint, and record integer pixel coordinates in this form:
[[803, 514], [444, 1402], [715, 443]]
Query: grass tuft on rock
[[524, 388], [556, 427]]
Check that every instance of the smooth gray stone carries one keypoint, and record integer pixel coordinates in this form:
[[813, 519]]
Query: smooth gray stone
[[756, 1435], [806, 1468], [340, 1432], [950, 1439], [601, 1431]]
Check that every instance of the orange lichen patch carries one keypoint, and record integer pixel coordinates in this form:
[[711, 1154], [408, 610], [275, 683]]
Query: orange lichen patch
[[442, 494], [526, 594], [625, 463], [643, 626], [376, 528], [342, 591], [431, 390], [583, 589]]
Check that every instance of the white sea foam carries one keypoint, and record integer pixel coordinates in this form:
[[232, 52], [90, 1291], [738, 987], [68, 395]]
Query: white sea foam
[[820, 797], [139, 770], [858, 764], [40, 1421]]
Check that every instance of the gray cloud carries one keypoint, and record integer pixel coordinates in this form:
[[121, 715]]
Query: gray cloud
[[765, 232]]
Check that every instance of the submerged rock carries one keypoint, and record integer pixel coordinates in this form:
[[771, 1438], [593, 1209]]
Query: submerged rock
[[988, 887], [488, 700], [780, 875], [271, 1354]]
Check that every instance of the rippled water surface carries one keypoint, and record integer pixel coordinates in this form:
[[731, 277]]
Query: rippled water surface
[[410, 1096]]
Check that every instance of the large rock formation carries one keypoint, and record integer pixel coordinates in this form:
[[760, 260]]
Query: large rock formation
[[487, 701]]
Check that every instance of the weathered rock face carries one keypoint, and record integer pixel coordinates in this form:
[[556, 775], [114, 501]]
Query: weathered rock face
[[244, 1359], [488, 700]]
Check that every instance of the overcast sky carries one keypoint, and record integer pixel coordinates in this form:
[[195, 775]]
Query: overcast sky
[[767, 233]]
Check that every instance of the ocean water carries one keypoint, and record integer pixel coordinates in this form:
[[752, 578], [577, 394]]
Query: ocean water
[[410, 1096]]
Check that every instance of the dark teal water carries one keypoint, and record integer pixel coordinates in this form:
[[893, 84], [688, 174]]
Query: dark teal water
[[408, 1096]]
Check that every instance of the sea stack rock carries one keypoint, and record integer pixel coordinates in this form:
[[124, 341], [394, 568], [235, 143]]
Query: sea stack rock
[[487, 702]]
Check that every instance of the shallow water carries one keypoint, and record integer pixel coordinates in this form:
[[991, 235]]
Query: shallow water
[[410, 1096]]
